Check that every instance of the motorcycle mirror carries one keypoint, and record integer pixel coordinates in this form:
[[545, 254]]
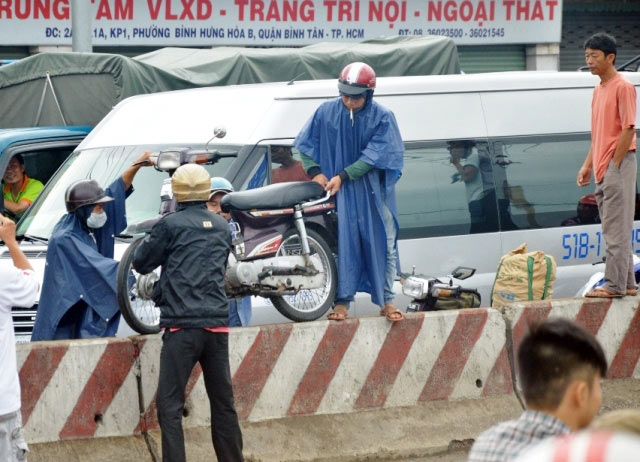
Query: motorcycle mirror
[[463, 272]]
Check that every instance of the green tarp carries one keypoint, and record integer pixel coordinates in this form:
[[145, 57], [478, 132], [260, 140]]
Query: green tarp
[[87, 85]]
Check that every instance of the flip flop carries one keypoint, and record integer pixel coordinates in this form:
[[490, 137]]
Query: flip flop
[[632, 292], [339, 313], [601, 292], [392, 313]]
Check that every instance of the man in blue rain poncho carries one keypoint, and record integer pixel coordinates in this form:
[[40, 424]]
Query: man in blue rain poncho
[[352, 146], [78, 298]]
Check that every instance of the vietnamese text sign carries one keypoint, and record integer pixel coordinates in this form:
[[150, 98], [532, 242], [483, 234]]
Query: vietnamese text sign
[[281, 22]]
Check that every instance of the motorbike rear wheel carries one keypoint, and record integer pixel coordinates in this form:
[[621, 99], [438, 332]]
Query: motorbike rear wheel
[[136, 306], [309, 305]]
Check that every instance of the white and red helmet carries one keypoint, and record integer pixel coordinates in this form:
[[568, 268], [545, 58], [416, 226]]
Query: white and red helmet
[[356, 78], [585, 446]]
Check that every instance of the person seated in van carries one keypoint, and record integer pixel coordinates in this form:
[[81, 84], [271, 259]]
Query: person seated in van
[[19, 190], [239, 310], [78, 298], [353, 148], [474, 169], [290, 169], [587, 212]]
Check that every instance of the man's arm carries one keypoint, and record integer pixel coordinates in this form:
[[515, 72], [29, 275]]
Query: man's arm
[[584, 174], [16, 208], [313, 169], [624, 142], [129, 174], [8, 236], [151, 252]]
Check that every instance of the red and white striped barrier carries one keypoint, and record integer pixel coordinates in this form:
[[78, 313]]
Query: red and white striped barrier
[[614, 322], [83, 389], [107, 387], [78, 389], [368, 363]]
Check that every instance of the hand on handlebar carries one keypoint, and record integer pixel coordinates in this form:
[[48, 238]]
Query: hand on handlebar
[[144, 159], [321, 180], [334, 185]]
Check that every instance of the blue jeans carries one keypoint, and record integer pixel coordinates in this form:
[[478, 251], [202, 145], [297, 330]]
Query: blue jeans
[[392, 258]]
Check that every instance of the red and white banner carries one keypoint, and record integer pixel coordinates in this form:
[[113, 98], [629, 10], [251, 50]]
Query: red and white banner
[[281, 22]]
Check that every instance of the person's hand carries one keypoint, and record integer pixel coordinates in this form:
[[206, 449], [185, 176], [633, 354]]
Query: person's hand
[[617, 163], [584, 176], [334, 185], [144, 159], [7, 230], [321, 180]]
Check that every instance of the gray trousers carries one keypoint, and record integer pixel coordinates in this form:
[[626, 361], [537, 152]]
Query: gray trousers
[[616, 197]]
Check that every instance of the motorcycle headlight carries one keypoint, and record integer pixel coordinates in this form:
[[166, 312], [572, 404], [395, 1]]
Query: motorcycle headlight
[[169, 160], [413, 287]]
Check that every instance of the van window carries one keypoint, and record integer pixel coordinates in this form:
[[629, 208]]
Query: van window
[[536, 181], [41, 164], [259, 174], [446, 189], [286, 164], [105, 165]]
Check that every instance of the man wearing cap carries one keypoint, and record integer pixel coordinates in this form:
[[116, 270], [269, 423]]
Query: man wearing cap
[[19, 190], [352, 146], [192, 246], [78, 298]]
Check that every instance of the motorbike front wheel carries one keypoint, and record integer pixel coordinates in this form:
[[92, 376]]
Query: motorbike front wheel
[[134, 294], [308, 305]]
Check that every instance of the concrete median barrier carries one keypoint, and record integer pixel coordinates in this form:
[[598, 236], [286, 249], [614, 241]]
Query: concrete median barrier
[[441, 377], [614, 322]]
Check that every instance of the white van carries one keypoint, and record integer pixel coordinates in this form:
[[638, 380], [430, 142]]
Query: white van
[[532, 126]]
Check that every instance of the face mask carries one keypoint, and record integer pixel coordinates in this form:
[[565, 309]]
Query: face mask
[[96, 220]]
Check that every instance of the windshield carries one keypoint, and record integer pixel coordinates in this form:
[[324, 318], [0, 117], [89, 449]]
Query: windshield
[[105, 165]]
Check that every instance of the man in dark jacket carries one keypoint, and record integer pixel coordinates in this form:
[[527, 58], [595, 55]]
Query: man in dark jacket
[[192, 246]]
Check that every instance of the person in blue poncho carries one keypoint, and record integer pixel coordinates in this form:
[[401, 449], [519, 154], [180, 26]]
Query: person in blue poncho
[[78, 298], [352, 146]]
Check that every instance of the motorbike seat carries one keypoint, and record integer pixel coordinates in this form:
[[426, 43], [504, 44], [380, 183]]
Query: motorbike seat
[[272, 197]]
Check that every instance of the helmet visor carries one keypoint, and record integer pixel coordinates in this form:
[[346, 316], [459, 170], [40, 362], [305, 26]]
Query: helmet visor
[[351, 89]]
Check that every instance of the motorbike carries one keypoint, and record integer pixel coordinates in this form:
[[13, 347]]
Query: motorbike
[[597, 279], [433, 294], [283, 247]]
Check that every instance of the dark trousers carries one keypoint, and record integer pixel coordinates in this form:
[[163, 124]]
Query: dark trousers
[[180, 352]]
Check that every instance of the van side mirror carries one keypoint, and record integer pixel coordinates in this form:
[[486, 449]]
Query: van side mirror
[[463, 272]]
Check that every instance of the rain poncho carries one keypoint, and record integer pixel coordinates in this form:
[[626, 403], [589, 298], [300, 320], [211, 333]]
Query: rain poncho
[[81, 273], [334, 141]]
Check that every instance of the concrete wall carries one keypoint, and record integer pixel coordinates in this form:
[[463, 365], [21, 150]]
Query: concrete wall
[[456, 367]]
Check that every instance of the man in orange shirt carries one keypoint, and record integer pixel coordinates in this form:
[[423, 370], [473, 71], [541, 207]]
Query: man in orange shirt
[[612, 159]]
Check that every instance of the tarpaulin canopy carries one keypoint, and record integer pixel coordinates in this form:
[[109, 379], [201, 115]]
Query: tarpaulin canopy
[[81, 88]]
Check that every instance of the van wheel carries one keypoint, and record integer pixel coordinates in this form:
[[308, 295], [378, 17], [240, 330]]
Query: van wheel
[[134, 294], [309, 305]]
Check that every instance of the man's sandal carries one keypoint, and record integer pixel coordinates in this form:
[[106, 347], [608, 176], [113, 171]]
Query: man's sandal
[[392, 313], [339, 313], [601, 292]]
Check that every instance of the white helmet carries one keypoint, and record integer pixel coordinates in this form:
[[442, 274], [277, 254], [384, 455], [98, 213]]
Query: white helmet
[[586, 446]]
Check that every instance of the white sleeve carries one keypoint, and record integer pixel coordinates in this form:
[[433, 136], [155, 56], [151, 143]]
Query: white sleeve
[[473, 160], [17, 288]]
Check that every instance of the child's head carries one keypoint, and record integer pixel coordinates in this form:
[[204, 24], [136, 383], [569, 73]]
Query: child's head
[[220, 187]]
